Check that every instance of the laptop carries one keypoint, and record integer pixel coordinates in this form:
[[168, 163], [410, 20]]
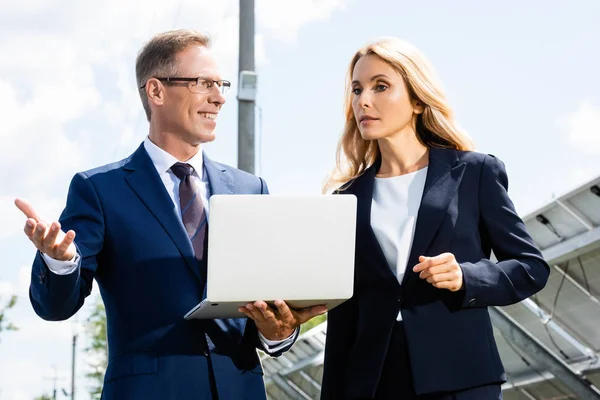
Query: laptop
[[266, 247]]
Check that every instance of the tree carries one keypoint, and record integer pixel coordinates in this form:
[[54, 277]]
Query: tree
[[43, 397], [98, 348], [4, 325]]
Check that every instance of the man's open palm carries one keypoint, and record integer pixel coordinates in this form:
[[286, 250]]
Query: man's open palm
[[47, 236]]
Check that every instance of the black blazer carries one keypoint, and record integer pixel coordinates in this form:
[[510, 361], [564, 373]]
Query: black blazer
[[465, 210]]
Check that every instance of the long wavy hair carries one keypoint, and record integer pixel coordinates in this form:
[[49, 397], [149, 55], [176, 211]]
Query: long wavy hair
[[435, 126]]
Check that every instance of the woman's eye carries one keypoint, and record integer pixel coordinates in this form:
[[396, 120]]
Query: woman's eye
[[380, 88], [357, 91]]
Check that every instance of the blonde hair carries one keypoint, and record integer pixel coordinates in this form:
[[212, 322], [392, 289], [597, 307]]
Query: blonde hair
[[435, 126], [158, 57]]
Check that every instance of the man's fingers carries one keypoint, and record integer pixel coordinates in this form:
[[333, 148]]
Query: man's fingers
[[264, 309], [27, 209], [50, 239], [257, 315], [67, 241], [311, 312], [284, 311], [245, 311], [38, 236], [29, 228]]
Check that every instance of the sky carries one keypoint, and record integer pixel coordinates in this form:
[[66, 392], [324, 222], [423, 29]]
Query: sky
[[522, 79]]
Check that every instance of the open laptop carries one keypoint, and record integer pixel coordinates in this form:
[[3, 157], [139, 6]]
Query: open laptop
[[267, 247]]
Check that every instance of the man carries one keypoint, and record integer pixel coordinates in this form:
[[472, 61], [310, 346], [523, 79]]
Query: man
[[139, 228]]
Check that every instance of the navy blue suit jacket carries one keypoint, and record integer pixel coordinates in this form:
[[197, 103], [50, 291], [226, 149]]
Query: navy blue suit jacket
[[465, 210], [134, 245]]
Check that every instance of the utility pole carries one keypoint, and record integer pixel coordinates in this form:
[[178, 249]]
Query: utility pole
[[73, 366], [54, 380], [247, 88]]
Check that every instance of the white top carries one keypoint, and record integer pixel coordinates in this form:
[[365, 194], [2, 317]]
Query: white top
[[394, 210]]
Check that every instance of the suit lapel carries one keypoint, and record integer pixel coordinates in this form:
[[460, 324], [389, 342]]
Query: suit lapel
[[146, 183], [363, 189], [443, 179], [219, 180]]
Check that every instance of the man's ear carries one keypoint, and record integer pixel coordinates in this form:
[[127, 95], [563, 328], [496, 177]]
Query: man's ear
[[154, 91]]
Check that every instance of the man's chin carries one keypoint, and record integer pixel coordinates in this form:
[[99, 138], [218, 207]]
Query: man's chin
[[204, 138]]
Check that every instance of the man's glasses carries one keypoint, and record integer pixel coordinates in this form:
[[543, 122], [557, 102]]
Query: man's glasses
[[199, 85]]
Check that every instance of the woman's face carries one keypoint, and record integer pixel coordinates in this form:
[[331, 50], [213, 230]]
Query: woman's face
[[381, 104]]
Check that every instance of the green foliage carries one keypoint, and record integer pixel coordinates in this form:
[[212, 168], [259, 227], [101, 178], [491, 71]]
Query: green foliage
[[308, 325], [4, 325], [98, 348]]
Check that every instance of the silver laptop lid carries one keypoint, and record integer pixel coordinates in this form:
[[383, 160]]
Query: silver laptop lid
[[267, 247]]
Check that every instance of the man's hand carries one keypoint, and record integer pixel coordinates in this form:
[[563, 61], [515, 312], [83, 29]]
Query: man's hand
[[47, 237], [280, 323], [441, 271]]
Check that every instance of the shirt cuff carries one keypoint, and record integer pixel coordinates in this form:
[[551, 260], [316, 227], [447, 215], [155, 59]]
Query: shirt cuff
[[273, 346], [62, 267]]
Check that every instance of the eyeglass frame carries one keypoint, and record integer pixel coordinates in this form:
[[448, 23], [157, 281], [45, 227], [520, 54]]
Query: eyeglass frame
[[222, 84]]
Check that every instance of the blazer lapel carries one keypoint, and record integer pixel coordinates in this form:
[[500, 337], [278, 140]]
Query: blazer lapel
[[363, 189], [219, 180], [146, 183], [443, 179]]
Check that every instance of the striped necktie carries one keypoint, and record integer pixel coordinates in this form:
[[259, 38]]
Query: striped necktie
[[192, 209]]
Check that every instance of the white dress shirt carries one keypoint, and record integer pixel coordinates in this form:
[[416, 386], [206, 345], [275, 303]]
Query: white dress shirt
[[163, 162], [394, 209]]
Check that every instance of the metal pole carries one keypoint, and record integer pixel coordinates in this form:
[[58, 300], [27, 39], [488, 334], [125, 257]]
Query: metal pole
[[540, 354], [54, 384], [73, 367], [246, 107]]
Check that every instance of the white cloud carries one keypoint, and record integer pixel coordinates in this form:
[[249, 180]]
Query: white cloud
[[6, 290], [12, 219], [284, 18], [583, 127]]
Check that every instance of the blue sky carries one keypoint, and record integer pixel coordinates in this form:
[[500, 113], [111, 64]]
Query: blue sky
[[522, 79]]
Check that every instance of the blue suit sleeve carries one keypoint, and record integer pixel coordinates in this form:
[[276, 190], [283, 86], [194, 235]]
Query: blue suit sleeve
[[521, 270], [57, 297]]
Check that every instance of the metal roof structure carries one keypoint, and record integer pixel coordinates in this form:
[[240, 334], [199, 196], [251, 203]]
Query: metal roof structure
[[549, 343]]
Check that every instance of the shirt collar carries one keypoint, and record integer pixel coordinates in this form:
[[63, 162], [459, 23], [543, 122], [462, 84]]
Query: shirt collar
[[163, 161]]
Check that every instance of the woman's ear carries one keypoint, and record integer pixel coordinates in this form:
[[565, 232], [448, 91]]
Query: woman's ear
[[417, 107]]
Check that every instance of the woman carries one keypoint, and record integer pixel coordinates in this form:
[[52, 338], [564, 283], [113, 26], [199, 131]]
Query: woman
[[430, 210]]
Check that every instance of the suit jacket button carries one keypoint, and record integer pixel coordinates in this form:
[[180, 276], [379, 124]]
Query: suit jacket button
[[472, 302]]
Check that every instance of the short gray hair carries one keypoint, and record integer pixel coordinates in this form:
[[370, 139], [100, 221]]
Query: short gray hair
[[158, 57]]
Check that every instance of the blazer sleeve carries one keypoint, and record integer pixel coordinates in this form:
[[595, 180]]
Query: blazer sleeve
[[57, 297], [521, 271]]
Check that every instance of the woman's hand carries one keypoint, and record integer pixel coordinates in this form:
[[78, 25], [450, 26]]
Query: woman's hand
[[441, 271]]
